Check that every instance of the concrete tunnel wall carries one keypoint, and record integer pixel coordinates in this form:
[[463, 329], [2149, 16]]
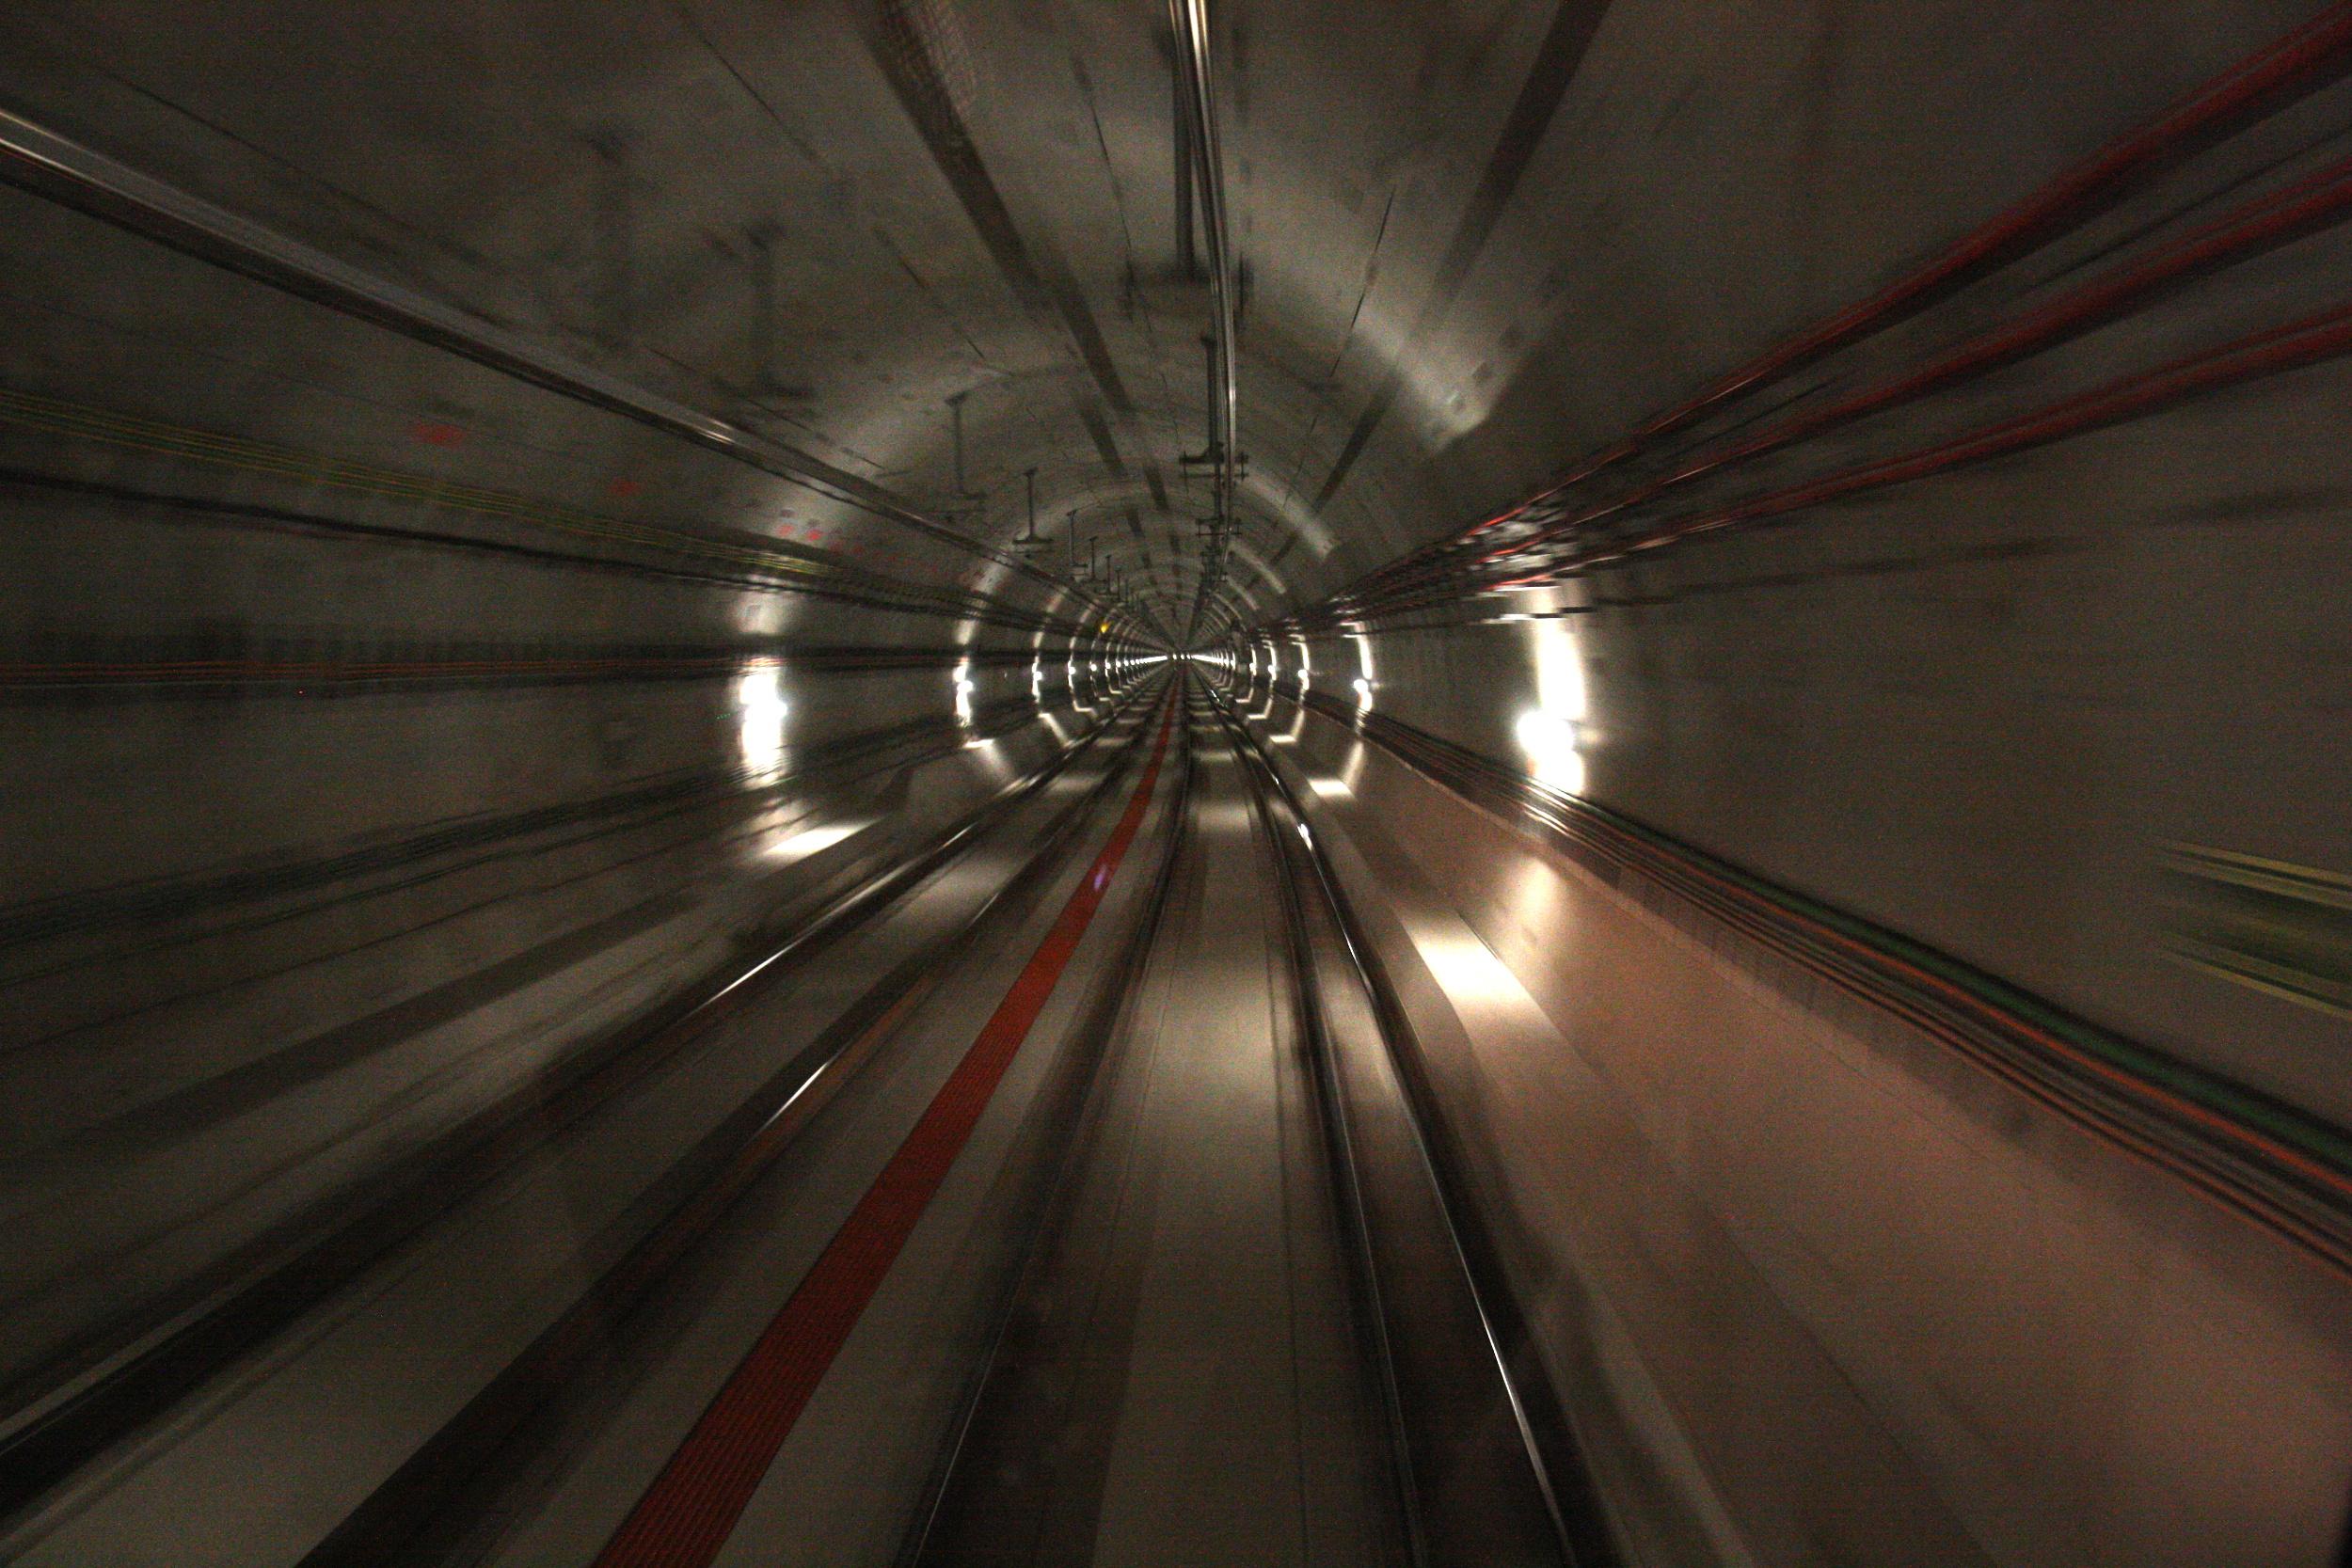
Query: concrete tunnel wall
[[318, 845], [2002, 712], [1985, 712], [1777, 1239]]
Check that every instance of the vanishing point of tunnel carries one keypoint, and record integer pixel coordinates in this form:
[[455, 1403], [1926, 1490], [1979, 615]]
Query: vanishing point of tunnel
[[1176, 783]]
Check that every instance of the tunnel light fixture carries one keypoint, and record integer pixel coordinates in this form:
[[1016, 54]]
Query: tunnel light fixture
[[1549, 741], [760, 710]]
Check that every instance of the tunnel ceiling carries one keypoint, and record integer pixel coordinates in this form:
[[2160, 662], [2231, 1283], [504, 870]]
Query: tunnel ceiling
[[844, 223], [1468, 242]]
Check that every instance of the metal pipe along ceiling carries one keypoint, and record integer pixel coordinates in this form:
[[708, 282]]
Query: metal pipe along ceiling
[[1190, 21]]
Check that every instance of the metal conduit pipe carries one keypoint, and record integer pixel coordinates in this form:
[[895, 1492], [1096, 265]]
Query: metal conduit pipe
[[2272, 351], [1190, 21], [59, 169], [2296, 65], [2324, 198]]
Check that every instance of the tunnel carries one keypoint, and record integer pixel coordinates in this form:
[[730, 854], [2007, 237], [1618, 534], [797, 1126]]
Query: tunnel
[[1177, 784]]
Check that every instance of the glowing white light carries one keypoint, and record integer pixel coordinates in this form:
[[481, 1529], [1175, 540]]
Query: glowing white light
[[1551, 733], [1558, 671], [1274, 673], [760, 710], [808, 841], [1549, 742], [1467, 968]]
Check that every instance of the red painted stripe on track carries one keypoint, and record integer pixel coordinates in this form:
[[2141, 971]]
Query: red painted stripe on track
[[686, 1515]]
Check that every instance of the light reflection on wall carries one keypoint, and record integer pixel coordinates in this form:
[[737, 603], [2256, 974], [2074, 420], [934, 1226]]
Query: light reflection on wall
[[759, 614], [1352, 766], [1273, 677], [759, 713], [1548, 732], [963, 693]]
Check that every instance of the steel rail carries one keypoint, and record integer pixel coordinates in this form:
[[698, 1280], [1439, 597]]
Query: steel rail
[[431, 1500], [1080, 1095], [1313, 1023], [687, 1513], [1576, 1517], [45, 1442], [2279, 1166]]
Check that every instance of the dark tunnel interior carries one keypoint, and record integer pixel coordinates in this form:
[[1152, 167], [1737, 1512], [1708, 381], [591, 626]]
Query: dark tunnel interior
[[1176, 783]]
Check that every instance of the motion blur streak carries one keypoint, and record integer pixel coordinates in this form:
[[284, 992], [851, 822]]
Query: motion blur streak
[[1715, 632]]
